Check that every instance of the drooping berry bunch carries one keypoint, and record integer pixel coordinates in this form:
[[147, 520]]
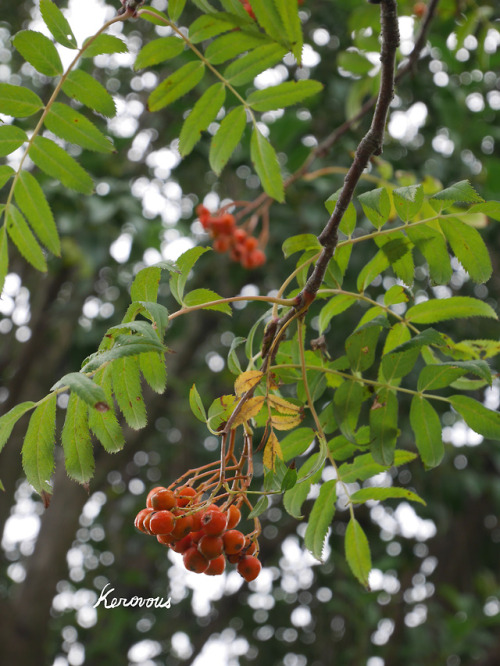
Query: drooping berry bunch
[[242, 247], [204, 534]]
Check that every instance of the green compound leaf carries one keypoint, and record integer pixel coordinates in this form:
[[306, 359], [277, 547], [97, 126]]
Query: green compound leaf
[[469, 248], [426, 425], [18, 101], [39, 51], [11, 138], [72, 126], [9, 420], [86, 90], [455, 307], [77, 445], [196, 404], [320, 518], [384, 427], [154, 370], [357, 552], [203, 113], [158, 50], [175, 86], [266, 164], [24, 240], [31, 200], [105, 425], [227, 138], [227, 47], [408, 201], [202, 296], [284, 94], [461, 192], [376, 205], [56, 162], [484, 421], [38, 446], [57, 24], [85, 388], [247, 67], [381, 494], [127, 389], [103, 45]]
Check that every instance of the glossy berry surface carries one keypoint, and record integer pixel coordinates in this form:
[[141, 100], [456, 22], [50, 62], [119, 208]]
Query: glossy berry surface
[[234, 541], [214, 522], [249, 567], [194, 560]]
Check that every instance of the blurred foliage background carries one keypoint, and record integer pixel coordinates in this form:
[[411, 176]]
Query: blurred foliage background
[[436, 583]]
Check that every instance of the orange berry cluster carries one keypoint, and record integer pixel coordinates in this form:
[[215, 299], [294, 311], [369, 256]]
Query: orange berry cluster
[[229, 238], [206, 536]]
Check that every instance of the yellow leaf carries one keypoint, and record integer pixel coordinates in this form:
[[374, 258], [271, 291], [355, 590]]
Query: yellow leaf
[[271, 452], [283, 406], [285, 422], [246, 381], [251, 408]]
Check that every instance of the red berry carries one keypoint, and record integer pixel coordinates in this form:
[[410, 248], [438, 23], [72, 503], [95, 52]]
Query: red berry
[[234, 542], [222, 243], [147, 520], [250, 547], [151, 495], [214, 522], [185, 495], [163, 499], [182, 545], [233, 517], [165, 539], [162, 522], [211, 546], [182, 527], [256, 258], [239, 236], [216, 566], [194, 560], [234, 559], [251, 243], [204, 215], [249, 567], [196, 536], [139, 519]]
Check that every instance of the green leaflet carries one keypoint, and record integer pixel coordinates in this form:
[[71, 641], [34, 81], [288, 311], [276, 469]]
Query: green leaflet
[[360, 346], [175, 8], [203, 113], [196, 404], [103, 44], [461, 192], [11, 138], [9, 420], [145, 284], [426, 425], [455, 307], [6, 173], [468, 247], [348, 221], [408, 201], [18, 101], [269, 18], [56, 162], [85, 388], [208, 25], [335, 306], [175, 86], [347, 403], [57, 24], [320, 518], [357, 552], [289, 14], [284, 94], [125, 345], [85, 89], [364, 466], [484, 421], [245, 69], [399, 252], [296, 443], [72, 126], [354, 62], [376, 205], [156, 313], [158, 50], [77, 445], [443, 374], [38, 445], [185, 263], [31, 200], [39, 51], [202, 296], [4, 259], [24, 240], [266, 164], [384, 427], [154, 371], [127, 390], [381, 494], [227, 138], [432, 244], [369, 272], [105, 425], [227, 47], [259, 508], [300, 243]]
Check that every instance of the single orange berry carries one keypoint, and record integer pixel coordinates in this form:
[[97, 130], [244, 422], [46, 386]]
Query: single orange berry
[[234, 559], [150, 496], [162, 522], [251, 243], [239, 236], [419, 9], [222, 243], [197, 520], [163, 499], [233, 517], [194, 560], [182, 527], [185, 495], [147, 521], [234, 542], [214, 522], [250, 547], [216, 567], [182, 545], [211, 546], [139, 519], [165, 539], [249, 567]]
